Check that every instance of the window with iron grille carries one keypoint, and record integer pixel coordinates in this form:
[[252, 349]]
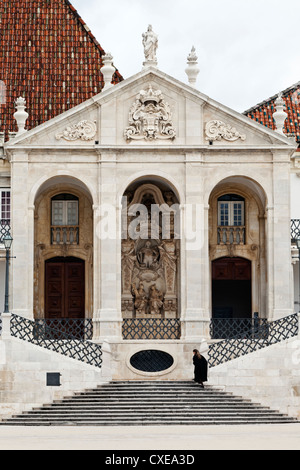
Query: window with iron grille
[[5, 204]]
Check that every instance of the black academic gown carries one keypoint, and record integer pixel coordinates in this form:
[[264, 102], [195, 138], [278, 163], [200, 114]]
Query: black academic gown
[[200, 369]]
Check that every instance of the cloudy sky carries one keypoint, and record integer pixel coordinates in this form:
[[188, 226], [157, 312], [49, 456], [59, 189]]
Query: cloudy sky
[[248, 50]]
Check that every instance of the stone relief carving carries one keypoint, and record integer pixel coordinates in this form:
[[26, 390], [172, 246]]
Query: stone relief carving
[[150, 117], [84, 130], [218, 130], [149, 267]]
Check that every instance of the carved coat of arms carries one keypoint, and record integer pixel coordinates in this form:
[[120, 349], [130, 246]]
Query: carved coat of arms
[[150, 117]]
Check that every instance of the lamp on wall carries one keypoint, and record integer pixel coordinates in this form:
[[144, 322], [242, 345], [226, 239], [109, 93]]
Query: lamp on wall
[[7, 240]]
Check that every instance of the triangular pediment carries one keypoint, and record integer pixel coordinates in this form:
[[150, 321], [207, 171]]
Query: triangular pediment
[[151, 109]]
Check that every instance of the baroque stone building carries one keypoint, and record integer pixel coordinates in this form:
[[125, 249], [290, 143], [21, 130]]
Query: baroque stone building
[[142, 207], [150, 209]]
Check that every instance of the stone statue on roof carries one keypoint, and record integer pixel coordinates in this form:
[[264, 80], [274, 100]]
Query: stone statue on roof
[[150, 43]]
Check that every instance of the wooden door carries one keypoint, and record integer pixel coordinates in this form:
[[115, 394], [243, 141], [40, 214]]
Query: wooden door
[[64, 288], [231, 288]]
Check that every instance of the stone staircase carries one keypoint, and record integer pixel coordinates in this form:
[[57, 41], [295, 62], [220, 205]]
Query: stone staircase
[[149, 403]]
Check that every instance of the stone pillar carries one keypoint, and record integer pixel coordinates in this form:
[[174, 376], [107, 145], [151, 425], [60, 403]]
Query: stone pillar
[[108, 317], [23, 239], [5, 332], [279, 279], [195, 268]]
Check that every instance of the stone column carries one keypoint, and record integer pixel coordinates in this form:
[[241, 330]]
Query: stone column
[[195, 316], [21, 267], [108, 317], [279, 238]]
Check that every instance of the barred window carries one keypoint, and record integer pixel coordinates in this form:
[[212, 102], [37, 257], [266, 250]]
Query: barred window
[[5, 204]]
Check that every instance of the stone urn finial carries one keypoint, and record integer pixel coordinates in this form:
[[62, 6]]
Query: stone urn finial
[[21, 115], [192, 70], [280, 115], [107, 70]]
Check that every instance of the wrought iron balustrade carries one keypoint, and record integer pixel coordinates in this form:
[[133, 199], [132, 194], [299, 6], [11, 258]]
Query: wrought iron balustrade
[[229, 328], [266, 335], [63, 341], [295, 229], [5, 228], [65, 328], [64, 234], [231, 235], [151, 328]]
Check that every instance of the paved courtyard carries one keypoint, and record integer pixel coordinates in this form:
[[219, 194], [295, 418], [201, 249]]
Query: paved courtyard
[[252, 437]]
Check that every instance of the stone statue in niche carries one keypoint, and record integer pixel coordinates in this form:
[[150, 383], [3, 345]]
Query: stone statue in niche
[[155, 300], [140, 298], [148, 255]]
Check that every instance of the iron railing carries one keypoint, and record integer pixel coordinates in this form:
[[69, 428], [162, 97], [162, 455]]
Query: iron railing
[[40, 333], [266, 335], [229, 328], [65, 328], [295, 229], [151, 328], [5, 228]]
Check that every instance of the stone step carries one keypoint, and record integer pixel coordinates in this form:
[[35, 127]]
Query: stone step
[[152, 422], [149, 403]]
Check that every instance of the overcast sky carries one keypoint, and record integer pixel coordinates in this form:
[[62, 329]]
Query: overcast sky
[[248, 50]]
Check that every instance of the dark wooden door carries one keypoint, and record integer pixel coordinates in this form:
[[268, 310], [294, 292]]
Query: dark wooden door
[[64, 288], [231, 288]]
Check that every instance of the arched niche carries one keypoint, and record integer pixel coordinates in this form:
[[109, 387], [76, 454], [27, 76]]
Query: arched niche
[[63, 239], [151, 250]]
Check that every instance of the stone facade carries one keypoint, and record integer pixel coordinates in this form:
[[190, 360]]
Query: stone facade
[[157, 141]]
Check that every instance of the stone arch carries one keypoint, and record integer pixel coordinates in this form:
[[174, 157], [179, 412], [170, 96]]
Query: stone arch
[[248, 241], [51, 179], [63, 240], [157, 176]]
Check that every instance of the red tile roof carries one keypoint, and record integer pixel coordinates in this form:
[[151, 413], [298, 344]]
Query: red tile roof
[[263, 112], [49, 56]]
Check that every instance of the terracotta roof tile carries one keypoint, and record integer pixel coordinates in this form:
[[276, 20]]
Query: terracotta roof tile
[[263, 112], [49, 56]]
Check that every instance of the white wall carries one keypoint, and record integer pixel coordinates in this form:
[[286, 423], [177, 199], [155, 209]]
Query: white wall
[[270, 376], [23, 369]]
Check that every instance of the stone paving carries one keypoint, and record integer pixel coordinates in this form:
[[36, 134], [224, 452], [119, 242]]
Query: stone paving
[[110, 438]]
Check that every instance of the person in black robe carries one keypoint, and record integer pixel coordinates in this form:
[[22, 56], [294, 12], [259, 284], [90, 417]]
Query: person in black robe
[[200, 370]]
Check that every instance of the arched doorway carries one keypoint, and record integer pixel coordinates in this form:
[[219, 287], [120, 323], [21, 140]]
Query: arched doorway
[[231, 288], [64, 288]]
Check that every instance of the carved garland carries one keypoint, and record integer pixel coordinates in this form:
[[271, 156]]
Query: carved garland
[[84, 130], [217, 130]]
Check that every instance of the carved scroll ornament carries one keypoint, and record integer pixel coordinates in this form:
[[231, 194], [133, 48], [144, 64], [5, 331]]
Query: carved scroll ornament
[[150, 117], [84, 130], [218, 130]]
